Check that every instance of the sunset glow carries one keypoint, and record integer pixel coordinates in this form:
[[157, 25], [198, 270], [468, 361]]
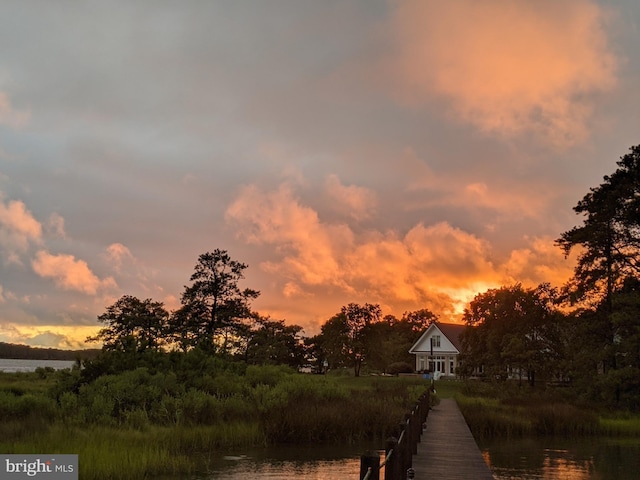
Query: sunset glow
[[410, 153]]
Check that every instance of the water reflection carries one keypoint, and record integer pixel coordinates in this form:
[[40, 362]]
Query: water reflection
[[289, 462], [566, 459]]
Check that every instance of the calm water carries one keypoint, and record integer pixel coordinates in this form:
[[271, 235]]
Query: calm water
[[561, 459], [527, 459], [289, 462], [12, 365]]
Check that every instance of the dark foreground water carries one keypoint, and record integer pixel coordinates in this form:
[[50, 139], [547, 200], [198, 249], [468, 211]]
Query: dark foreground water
[[526, 459], [562, 459], [290, 462]]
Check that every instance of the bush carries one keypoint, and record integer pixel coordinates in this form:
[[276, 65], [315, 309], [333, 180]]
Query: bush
[[399, 367], [200, 408], [266, 374]]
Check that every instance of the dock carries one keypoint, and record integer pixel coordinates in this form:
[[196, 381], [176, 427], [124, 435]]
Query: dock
[[447, 450]]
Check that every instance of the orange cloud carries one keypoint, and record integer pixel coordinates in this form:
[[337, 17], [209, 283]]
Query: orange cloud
[[353, 201], [434, 266], [437, 265], [116, 254], [308, 247], [50, 336], [55, 225], [69, 273], [18, 228], [507, 67], [542, 261]]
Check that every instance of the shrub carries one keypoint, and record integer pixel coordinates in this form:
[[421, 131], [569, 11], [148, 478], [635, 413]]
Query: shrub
[[399, 367], [266, 374], [200, 408]]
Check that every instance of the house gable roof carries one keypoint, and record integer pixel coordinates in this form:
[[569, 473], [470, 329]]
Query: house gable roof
[[451, 331]]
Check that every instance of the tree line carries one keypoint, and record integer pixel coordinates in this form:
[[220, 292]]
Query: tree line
[[216, 317], [26, 352], [585, 334]]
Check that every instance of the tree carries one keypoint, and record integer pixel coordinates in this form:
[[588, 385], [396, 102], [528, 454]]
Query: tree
[[133, 325], [357, 319], [330, 344], [419, 320], [607, 275], [515, 331], [609, 235], [388, 341], [273, 342], [213, 306]]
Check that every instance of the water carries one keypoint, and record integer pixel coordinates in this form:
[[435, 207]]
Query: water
[[20, 365], [564, 459], [292, 462], [324, 462], [525, 459]]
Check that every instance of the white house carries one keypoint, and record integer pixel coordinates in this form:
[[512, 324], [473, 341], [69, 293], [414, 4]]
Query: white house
[[438, 348]]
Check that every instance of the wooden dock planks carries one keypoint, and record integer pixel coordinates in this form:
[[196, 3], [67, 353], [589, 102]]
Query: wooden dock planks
[[447, 450]]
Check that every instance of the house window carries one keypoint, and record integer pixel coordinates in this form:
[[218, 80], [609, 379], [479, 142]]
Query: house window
[[439, 364], [436, 340]]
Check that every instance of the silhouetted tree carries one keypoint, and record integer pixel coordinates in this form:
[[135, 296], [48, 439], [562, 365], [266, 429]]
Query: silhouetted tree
[[133, 325], [609, 235], [274, 342], [357, 319], [515, 330], [213, 306]]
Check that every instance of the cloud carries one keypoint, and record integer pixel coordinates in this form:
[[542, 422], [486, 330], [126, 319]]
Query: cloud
[[350, 200], [306, 246], [437, 266], [55, 225], [48, 336], [69, 273], [506, 67], [48, 339], [116, 254], [541, 261], [18, 228]]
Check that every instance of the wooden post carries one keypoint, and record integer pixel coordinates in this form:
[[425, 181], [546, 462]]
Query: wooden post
[[407, 447], [370, 460], [417, 428], [393, 467]]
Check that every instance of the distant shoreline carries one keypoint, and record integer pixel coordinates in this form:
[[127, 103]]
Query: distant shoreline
[[12, 351]]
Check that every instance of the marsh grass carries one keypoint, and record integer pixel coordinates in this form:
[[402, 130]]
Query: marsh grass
[[118, 453], [622, 426], [336, 409], [144, 424], [510, 411]]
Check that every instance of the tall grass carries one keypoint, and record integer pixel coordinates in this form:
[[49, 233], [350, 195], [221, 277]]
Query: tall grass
[[513, 412], [141, 424], [118, 453], [620, 426]]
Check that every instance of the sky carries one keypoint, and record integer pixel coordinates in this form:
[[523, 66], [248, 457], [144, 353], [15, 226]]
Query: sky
[[409, 153]]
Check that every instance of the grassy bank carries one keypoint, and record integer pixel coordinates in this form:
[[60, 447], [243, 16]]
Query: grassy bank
[[142, 424], [507, 410], [125, 453]]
